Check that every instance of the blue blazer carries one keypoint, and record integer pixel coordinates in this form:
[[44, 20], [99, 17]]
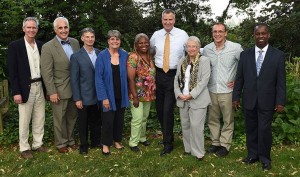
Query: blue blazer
[[19, 69], [82, 74], [269, 88], [104, 79]]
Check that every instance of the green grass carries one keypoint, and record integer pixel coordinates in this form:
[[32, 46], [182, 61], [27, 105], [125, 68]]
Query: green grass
[[286, 162]]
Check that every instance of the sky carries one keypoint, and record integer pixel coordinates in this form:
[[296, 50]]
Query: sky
[[217, 6]]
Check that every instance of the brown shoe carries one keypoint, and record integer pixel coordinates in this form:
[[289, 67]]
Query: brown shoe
[[41, 149], [73, 147], [26, 154], [63, 150]]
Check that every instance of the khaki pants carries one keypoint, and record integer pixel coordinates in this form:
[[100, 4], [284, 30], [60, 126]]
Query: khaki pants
[[221, 107], [192, 123], [139, 122], [33, 109]]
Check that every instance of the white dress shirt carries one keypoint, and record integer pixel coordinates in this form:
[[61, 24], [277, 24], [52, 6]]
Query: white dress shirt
[[263, 53], [178, 40], [34, 60]]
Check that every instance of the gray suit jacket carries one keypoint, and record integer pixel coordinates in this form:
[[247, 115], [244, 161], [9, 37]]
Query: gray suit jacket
[[83, 77], [55, 68], [200, 94]]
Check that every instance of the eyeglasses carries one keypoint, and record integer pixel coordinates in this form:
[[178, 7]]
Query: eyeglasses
[[218, 32]]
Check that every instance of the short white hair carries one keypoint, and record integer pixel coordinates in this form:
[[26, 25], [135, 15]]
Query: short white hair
[[60, 18], [31, 19]]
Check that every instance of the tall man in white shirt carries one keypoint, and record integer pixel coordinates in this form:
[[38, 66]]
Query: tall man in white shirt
[[25, 78], [224, 56], [168, 45]]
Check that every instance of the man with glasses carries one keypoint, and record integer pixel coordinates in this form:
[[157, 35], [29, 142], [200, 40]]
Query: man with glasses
[[224, 56]]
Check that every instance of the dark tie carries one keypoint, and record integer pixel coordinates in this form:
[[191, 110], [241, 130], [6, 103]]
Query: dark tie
[[65, 42], [259, 62]]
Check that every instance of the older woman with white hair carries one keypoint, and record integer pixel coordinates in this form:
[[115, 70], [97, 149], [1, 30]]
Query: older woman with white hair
[[191, 92]]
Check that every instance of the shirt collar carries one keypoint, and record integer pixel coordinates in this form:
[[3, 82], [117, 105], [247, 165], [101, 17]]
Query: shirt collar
[[263, 49], [59, 39], [91, 52]]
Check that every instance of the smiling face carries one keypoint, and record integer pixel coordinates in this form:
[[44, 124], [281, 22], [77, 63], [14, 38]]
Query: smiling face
[[142, 45], [168, 21], [62, 29], [30, 29], [192, 48], [219, 33], [88, 39], [114, 42], [261, 35]]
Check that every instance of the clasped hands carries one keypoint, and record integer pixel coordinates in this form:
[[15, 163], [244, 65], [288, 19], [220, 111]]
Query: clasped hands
[[185, 97]]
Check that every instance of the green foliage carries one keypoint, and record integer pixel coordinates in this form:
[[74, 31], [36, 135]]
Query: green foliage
[[287, 125]]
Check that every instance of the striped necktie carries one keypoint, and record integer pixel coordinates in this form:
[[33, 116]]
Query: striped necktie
[[166, 53], [259, 62]]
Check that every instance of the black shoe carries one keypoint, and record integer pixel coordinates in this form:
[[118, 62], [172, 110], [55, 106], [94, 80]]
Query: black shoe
[[266, 166], [213, 149], [145, 143], [166, 150], [106, 153], [83, 151], [200, 158], [249, 160], [135, 149], [222, 152]]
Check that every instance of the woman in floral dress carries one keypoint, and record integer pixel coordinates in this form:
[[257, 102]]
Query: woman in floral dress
[[141, 81]]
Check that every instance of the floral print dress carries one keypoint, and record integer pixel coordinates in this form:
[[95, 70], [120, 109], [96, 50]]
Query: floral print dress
[[145, 77]]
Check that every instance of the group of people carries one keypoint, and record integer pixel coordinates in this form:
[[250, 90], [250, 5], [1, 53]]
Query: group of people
[[96, 86]]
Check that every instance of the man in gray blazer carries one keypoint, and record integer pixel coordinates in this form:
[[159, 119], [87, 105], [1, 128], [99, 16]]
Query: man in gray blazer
[[55, 64], [84, 91]]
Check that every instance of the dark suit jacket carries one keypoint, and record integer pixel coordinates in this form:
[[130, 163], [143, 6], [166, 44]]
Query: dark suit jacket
[[269, 88], [55, 67], [83, 77], [19, 69]]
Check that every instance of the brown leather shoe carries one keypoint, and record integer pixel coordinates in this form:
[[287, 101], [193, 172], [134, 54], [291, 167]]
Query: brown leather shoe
[[73, 147], [26, 154], [63, 150], [41, 149]]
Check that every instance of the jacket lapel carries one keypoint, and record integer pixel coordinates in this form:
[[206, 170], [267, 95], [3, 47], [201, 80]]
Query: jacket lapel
[[25, 55], [267, 59], [252, 60], [86, 57], [60, 49]]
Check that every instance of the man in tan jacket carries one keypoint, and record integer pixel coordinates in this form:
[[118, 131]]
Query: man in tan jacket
[[55, 64]]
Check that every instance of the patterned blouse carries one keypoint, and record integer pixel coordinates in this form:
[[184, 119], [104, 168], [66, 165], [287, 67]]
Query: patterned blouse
[[145, 77]]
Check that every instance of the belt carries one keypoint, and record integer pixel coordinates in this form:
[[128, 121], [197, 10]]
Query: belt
[[35, 80], [161, 70]]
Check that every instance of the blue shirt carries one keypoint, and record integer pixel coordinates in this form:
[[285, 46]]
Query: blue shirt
[[67, 48]]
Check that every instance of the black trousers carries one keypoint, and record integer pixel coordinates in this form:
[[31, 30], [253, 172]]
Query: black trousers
[[259, 133], [165, 102], [112, 125], [89, 125]]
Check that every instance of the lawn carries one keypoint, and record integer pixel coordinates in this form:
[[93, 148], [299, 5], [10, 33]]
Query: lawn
[[285, 162]]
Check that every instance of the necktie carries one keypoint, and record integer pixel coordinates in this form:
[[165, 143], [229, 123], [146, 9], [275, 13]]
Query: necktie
[[259, 62], [65, 42], [166, 53]]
